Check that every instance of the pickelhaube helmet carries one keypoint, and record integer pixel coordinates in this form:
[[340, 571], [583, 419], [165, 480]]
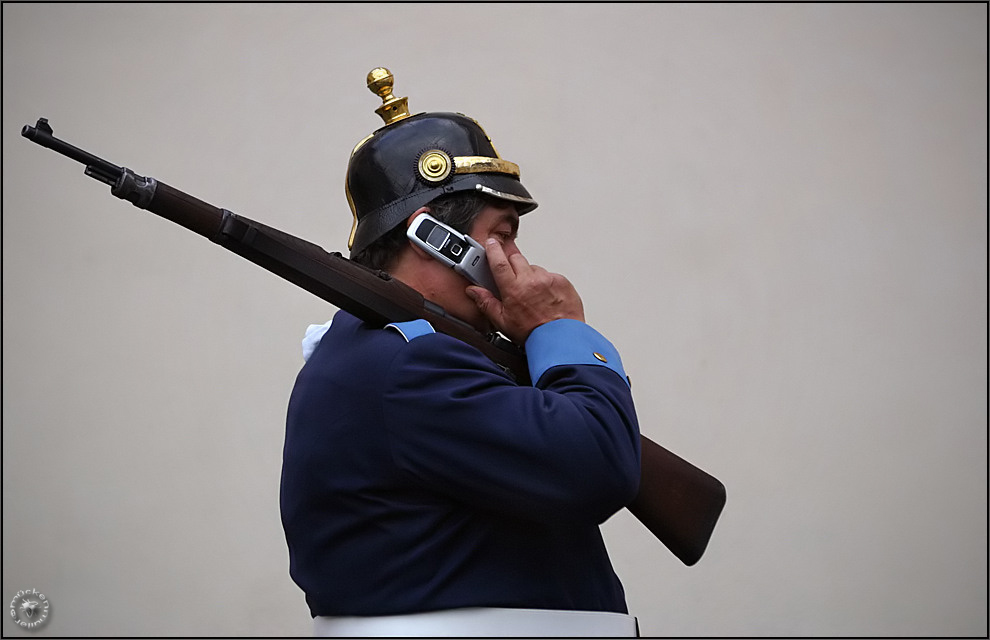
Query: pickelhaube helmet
[[415, 159]]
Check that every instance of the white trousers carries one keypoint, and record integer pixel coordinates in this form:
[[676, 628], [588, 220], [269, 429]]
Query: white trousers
[[481, 622]]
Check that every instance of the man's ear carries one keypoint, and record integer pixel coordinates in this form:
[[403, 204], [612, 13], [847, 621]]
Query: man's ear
[[415, 213]]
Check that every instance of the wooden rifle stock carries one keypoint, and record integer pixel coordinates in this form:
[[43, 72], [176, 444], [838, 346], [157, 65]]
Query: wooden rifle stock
[[678, 502]]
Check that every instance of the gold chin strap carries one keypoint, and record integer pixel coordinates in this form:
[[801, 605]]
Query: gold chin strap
[[435, 165], [481, 164]]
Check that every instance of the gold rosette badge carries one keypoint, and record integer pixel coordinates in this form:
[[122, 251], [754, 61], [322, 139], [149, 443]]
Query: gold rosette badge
[[435, 165]]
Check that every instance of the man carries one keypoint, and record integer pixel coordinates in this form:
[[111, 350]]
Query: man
[[424, 491]]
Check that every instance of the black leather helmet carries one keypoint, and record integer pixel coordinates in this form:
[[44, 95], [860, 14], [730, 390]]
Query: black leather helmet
[[415, 159]]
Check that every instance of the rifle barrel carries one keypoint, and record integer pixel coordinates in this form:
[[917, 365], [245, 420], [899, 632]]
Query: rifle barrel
[[96, 167]]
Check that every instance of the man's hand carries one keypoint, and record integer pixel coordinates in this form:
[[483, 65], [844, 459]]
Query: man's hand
[[531, 295]]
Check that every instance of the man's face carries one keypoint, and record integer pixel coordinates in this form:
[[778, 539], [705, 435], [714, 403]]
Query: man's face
[[448, 287]]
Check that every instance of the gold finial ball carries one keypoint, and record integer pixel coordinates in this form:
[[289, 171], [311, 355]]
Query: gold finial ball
[[392, 109], [380, 82]]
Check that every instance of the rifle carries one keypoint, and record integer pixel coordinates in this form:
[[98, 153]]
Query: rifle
[[678, 502]]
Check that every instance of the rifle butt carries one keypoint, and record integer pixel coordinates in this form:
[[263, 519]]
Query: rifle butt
[[678, 502]]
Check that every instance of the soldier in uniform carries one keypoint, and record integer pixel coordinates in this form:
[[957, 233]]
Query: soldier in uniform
[[424, 491]]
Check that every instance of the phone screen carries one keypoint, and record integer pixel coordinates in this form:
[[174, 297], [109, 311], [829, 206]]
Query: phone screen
[[441, 240]]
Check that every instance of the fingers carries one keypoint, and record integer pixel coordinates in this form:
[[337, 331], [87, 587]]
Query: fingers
[[487, 303], [497, 261], [531, 295], [519, 263]]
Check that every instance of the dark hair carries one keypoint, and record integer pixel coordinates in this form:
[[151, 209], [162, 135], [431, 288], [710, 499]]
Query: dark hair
[[459, 210]]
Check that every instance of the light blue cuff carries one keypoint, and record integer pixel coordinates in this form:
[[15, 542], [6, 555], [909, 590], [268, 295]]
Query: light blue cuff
[[412, 329], [564, 342]]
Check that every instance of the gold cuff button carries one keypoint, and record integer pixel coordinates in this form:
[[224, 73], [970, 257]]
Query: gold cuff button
[[600, 356]]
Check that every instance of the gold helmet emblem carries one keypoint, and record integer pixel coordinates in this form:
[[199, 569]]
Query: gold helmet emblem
[[435, 165]]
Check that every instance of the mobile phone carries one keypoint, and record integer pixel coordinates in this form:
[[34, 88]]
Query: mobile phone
[[461, 252]]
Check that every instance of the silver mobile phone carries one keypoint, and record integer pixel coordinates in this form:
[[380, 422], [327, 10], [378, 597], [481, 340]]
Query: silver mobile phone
[[461, 252]]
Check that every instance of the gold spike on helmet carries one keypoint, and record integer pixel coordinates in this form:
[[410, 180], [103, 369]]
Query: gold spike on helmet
[[415, 159]]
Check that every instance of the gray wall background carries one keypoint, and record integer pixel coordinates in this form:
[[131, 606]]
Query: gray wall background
[[777, 213]]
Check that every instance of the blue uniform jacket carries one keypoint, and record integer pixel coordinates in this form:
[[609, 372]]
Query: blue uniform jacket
[[418, 476]]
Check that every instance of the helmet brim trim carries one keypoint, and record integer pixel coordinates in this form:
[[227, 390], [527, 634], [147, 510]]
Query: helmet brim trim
[[377, 223]]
